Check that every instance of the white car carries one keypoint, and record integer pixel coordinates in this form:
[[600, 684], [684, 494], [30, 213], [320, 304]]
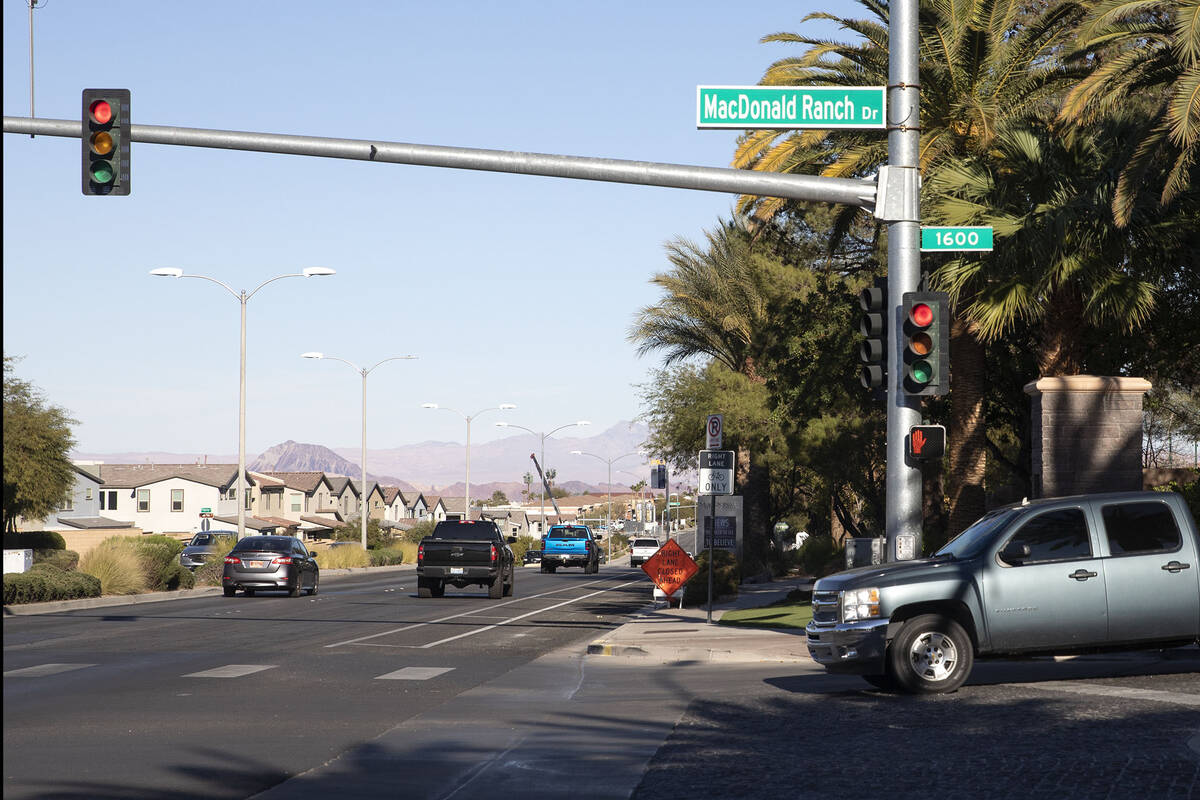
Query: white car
[[640, 550]]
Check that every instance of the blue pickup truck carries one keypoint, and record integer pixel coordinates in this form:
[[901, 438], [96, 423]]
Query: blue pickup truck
[[570, 546]]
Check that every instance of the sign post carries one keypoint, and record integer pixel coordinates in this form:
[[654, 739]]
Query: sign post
[[716, 477]]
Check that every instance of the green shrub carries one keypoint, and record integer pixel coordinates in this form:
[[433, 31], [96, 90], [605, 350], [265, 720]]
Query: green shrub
[[819, 556], [386, 556], [343, 557], [34, 540], [418, 532], [118, 565], [170, 542], [523, 545], [1190, 492], [209, 573], [47, 582], [726, 577], [63, 559]]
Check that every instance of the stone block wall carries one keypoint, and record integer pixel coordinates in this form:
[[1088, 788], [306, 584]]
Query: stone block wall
[[1087, 434]]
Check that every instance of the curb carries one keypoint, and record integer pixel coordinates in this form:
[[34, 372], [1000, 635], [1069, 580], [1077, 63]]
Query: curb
[[106, 601]]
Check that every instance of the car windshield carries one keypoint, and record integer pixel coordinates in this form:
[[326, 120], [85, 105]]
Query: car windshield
[[568, 533], [971, 542], [273, 544], [202, 538]]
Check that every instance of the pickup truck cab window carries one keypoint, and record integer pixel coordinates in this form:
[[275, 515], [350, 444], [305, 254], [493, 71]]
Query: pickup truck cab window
[[974, 539], [1056, 535], [1140, 528]]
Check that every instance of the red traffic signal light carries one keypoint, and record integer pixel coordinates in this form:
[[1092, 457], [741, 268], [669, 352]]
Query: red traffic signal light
[[105, 140], [926, 343]]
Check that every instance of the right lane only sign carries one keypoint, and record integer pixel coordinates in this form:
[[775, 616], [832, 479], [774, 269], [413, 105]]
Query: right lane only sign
[[716, 472]]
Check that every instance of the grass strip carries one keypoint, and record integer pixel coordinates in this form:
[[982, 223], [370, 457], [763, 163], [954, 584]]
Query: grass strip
[[786, 614]]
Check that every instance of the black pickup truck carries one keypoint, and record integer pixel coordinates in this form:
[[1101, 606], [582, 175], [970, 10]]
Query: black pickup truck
[[465, 553]]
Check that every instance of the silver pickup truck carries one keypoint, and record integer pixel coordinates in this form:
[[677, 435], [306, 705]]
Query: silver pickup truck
[[1056, 576]]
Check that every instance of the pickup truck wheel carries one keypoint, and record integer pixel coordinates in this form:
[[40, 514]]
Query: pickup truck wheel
[[496, 588], [438, 588], [512, 579], [424, 587], [932, 654], [229, 591]]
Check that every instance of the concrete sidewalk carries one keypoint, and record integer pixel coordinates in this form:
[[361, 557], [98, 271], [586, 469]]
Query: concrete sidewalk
[[665, 634]]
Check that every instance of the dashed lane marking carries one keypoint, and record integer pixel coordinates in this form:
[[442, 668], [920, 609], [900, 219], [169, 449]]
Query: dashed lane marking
[[230, 671], [414, 674], [42, 670]]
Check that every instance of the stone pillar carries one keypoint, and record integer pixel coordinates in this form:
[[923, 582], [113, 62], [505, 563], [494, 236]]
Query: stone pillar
[[1087, 434]]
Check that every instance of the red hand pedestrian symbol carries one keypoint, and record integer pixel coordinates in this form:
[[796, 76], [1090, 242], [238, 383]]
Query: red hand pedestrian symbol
[[918, 442]]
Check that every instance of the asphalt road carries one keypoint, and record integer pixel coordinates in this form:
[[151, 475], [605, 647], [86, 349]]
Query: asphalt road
[[224, 697]]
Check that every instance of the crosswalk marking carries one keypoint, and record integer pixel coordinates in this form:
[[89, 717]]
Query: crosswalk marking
[[42, 670], [230, 671], [414, 674]]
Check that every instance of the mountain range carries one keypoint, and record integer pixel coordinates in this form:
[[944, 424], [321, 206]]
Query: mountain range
[[440, 467]]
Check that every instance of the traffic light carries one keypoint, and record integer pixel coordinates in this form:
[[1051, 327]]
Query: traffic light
[[658, 476], [926, 343], [105, 141], [873, 324], [926, 442]]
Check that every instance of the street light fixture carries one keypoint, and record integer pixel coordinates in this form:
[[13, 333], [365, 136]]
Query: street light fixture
[[363, 509], [243, 297], [468, 418], [608, 514], [542, 520]]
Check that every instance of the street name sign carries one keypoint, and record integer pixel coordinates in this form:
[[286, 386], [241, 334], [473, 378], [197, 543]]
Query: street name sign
[[788, 107], [670, 567], [945, 239], [716, 472]]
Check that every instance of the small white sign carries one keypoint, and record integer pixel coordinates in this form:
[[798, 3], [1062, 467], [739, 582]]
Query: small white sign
[[716, 481], [714, 429]]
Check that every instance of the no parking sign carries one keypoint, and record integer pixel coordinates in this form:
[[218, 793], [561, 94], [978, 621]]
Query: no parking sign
[[714, 429]]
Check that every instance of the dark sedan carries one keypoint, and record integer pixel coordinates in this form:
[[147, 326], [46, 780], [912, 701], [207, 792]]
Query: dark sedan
[[532, 557], [270, 562]]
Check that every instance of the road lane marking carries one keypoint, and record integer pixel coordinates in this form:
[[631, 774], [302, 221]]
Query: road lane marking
[[231, 671], [1123, 692], [463, 614], [42, 670], [414, 674]]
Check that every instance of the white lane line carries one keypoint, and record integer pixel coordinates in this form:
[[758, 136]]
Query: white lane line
[[522, 616], [230, 671], [1124, 692], [42, 670], [456, 616], [414, 674]]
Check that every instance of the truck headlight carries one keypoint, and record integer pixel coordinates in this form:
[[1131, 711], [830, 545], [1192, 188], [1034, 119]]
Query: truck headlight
[[860, 604]]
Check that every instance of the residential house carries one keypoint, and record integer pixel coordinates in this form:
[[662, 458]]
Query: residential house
[[435, 510], [454, 508], [81, 509], [343, 495], [374, 499], [419, 508], [168, 498], [512, 520], [395, 504]]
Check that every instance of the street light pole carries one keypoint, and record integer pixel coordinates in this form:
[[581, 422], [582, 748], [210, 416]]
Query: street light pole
[[542, 521], [243, 297], [362, 503], [468, 418], [608, 514]]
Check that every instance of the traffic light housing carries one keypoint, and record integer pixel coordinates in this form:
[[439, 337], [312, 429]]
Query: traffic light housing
[[873, 324], [658, 476], [105, 141], [926, 343]]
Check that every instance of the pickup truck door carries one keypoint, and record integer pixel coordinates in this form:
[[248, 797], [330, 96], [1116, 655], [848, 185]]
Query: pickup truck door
[[1151, 574], [1054, 598]]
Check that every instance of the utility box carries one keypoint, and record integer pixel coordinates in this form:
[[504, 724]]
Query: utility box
[[17, 561], [864, 551]]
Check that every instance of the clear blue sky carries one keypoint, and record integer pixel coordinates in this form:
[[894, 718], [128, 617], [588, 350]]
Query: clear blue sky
[[509, 288]]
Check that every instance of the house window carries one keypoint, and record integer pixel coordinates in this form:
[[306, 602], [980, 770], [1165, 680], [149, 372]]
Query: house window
[[306, 504], [143, 499], [87, 493], [295, 503], [68, 504], [108, 501], [177, 499], [231, 494], [247, 496]]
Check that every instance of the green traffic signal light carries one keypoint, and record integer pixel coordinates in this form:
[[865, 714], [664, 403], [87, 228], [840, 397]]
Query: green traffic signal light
[[106, 141]]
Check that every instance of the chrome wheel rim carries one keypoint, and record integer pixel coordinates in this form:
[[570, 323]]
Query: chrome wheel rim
[[933, 656]]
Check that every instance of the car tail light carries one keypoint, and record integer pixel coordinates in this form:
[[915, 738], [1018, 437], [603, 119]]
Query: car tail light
[[232, 560], [493, 552], [420, 553], [281, 560]]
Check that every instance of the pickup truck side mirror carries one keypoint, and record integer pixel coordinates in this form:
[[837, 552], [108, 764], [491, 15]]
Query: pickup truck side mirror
[[1014, 552]]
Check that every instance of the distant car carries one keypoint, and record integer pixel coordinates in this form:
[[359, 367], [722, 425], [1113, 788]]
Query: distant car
[[270, 562], [640, 550], [532, 557], [205, 546]]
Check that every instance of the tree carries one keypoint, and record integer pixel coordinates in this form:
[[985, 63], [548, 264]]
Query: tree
[[498, 498], [351, 531], [38, 474], [1144, 53], [527, 479]]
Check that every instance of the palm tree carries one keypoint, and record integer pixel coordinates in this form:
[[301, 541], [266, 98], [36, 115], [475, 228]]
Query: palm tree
[[981, 62], [1147, 52]]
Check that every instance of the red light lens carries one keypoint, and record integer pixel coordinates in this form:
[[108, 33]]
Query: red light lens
[[420, 553], [921, 315], [281, 560], [493, 552], [101, 112], [232, 560]]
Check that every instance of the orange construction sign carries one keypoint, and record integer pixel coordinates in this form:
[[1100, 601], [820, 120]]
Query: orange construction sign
[[670, 567]]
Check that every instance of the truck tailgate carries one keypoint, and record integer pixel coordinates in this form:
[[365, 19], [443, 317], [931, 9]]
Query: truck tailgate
[[457, 553]]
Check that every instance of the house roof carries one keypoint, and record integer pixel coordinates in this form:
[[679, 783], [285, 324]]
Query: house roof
[[454, 505], [306, 482], [92, 473], [390, 493], [372, 487], [326, 522], [338, 484], [93, 522], [130, 476], [253, 523]]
